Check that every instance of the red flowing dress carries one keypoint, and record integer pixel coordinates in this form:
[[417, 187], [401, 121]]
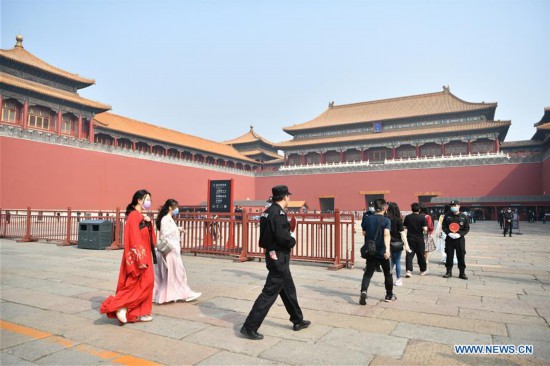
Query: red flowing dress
[[135, 285]]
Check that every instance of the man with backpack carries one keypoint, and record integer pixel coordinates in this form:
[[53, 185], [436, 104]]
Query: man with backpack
[[277, 241], [377, 230]]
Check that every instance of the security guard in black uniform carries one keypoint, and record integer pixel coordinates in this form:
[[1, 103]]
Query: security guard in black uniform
[[455, 239], [277, 241]]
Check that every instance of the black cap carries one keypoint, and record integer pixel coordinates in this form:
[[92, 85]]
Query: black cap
[[279, 192], [454, 202], [371, 204]]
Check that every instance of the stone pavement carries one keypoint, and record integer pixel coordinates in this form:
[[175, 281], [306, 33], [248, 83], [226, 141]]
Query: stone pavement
[[50, 297]]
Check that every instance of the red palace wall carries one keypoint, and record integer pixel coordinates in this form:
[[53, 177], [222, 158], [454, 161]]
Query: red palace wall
[[403, 185], [546, 176], [49, 176]]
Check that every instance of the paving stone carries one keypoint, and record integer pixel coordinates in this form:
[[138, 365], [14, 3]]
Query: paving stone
[[36, 349], [10, 339], [301, 353], [365, 342], [170, 327], [529, 332], [442, 321], [236, 359], [500, 317], [7, 359], [438, 335], [218, 338]]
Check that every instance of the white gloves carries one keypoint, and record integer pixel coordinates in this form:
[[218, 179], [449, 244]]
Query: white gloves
[[454, 235], [293, 234]]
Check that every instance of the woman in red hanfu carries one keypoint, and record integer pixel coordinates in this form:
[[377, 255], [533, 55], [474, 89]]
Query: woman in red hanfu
[[133, 301]]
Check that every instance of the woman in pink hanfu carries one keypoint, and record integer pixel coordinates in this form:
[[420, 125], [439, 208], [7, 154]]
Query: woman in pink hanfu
[[170, 275]]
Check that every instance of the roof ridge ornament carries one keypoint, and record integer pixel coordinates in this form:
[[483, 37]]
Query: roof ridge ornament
[[19, 41], [446, 89], [331, 104]]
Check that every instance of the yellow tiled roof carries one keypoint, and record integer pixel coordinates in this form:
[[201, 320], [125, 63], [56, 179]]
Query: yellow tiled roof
[[11, 80], [250, 136], [19, 54], [403, 132], [137, 128], [260, 151], [387, 109], [296, 204]]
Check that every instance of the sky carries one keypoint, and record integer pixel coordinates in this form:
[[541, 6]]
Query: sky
[[213, 68]]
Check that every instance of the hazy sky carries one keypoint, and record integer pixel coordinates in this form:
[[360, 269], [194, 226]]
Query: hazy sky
[[213, 68]]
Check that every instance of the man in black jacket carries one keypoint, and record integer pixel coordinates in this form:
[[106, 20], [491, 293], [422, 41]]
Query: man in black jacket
[[277, 241], [508, 224]]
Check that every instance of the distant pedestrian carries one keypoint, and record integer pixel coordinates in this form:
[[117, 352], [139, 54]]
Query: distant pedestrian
[[429, 242], [277, 241], [508, 222], [416, 226], [133, 301], [500, 218], [456, 225], [378, 228], [170, 274], [398, 240]]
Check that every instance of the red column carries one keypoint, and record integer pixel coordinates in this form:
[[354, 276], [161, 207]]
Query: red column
[[133, 146], [323, 158], [442, 149], [469, 146], [497, 145], [1, 106], [25, 114], [417, 151], [363, 155], [91, 137], [79, 126], [394, 153], [303, 159], [59, 122], [341, 156], [116, 142]]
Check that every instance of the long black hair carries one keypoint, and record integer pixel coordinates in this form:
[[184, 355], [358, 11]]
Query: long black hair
[[137, 196], [164, 209], [393, 211]]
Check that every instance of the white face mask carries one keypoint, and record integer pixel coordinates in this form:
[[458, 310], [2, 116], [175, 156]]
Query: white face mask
[[147, 204], [454, 209]]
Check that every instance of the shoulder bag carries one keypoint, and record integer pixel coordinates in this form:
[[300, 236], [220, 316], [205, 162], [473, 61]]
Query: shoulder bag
[[369, 248], [163, 246]]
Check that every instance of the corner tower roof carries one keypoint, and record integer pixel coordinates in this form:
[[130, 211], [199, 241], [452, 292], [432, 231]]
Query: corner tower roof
[[20, 55], [250, 136]]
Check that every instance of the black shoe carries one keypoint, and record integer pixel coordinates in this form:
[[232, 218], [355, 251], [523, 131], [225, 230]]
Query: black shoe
[[448, 274], [363, 298], [463, 276], [378, 269], [252, 334], [390, 298], [301, 325]]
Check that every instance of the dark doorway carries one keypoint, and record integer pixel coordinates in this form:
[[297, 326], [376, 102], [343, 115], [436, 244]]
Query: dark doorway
[[327, 205], [371, 198]]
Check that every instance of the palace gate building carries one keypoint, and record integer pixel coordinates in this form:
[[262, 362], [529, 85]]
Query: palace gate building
[[59, 149]]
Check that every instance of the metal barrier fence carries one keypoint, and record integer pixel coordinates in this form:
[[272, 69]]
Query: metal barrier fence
[[320, 238]]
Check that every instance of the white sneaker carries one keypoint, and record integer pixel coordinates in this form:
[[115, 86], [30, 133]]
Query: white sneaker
[[424, 273], [193, 296], [145, 318], [399, 282], [408, 274], [121, 315], [444, 259]]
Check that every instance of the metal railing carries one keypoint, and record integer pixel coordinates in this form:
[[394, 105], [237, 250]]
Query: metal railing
[[320, 238]]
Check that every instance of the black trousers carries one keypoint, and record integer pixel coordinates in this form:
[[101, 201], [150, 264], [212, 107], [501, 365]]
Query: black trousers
[[279, 282], [418, 248], [507, 227], [367, 275], [458, 245]]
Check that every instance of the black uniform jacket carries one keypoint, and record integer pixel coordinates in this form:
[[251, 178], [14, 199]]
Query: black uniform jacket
[[275, 230], [461, 219]]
